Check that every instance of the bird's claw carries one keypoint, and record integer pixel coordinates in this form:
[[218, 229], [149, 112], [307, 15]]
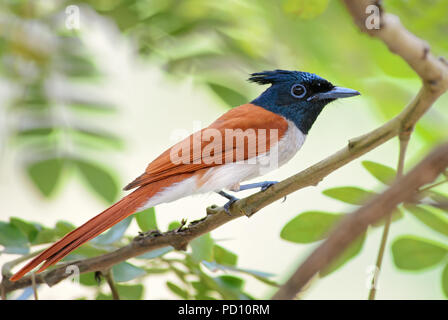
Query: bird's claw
[[228, 204], [267, 184], [231, 199]]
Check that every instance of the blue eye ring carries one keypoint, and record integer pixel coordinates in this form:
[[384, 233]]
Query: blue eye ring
[[298, 91]]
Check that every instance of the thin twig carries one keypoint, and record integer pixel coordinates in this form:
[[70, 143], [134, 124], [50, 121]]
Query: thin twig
[[7, 267], [433, 186], [404, 141], [110, 281], [379, 259], [33, 281]]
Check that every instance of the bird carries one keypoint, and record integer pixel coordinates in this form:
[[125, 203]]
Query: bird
[[245, 142]]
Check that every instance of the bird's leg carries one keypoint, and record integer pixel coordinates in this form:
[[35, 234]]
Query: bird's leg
[[231, 199], [263, 185]]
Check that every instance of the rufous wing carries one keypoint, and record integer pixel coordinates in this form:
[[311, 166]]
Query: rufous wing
[[203, 149]]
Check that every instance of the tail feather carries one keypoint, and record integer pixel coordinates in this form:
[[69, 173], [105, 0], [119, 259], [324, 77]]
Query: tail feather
[[81, 240], [95, 226]]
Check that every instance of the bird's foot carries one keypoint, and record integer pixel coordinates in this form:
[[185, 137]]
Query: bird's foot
[[231, 199], [266, 184], [228, 204]]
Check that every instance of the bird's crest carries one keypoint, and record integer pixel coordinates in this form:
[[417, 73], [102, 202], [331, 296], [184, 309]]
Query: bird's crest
[[277, 76]]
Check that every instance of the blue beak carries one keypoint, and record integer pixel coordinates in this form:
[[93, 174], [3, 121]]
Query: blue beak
[[335, 93]]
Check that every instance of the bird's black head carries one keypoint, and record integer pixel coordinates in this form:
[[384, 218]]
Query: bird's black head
[[297, 96]]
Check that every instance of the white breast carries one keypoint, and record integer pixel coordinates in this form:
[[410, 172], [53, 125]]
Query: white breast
[[227, 176], [290, 143]]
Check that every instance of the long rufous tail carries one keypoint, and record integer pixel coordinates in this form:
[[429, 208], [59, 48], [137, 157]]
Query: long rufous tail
[[95, 226]]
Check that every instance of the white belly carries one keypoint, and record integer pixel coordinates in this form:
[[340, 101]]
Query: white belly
[[229, 175]]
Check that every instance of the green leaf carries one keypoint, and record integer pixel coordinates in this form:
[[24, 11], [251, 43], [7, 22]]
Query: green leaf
[[202, 248], [174, 225], [201, 296], [415, 253], [381, 172], [200, 287], [439, 198], [130, 292], [309, 226], [259, 275], [231, 282], [125, 15], [88, 279], [46, 174], [157, 270], [45, 235], [432, 219], [231, 287], [352, 195], [14, 240], [100, 180], [181, 274], [96, 139], [27, 228], [305, 9], [229, 96], [113, 234], [214, 284], [224, 256], [91, 107], [63, 227], [177, 290], [125, 292], [352, 251], [34, 98], [102, 296], [125, 271], [35, 133], [146, 219], [445, 280]]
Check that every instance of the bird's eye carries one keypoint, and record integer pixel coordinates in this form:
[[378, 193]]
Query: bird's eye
[[298, 91]]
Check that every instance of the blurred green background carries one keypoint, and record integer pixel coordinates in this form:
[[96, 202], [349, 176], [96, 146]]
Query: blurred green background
[[83, 110]]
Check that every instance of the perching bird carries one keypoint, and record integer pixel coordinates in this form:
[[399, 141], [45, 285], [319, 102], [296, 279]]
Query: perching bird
[[281, 118]]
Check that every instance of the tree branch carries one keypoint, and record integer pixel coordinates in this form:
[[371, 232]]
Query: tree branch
[[356, 223], [415, 51], [433, 71], [434, 74]]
